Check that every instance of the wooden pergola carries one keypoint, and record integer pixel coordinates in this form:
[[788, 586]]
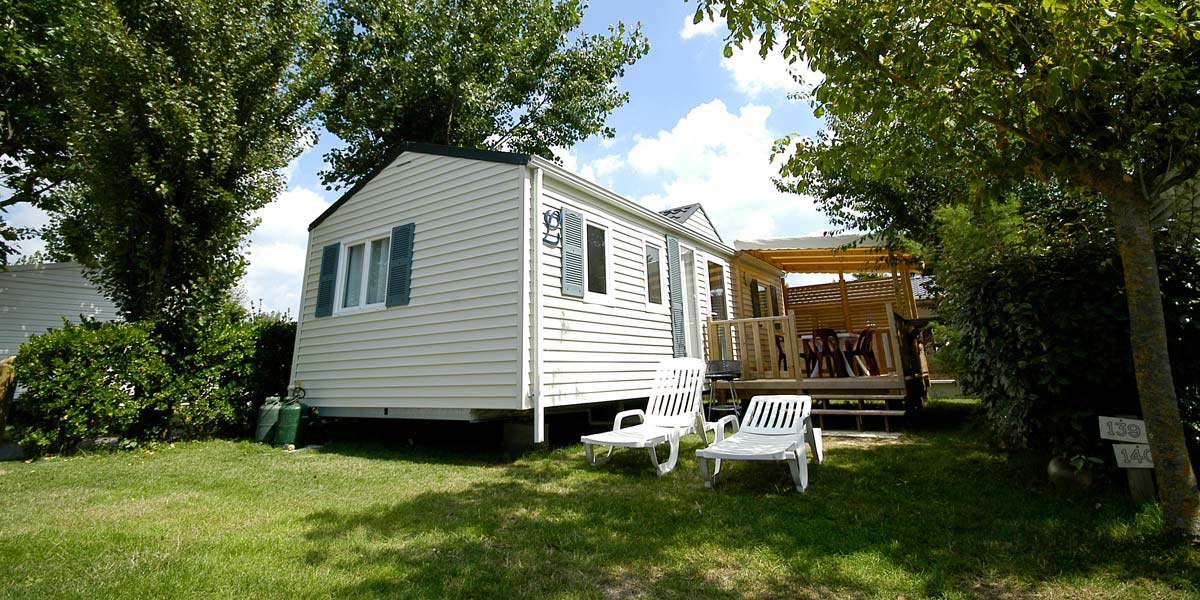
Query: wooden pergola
[[840, 254], [764, 343]]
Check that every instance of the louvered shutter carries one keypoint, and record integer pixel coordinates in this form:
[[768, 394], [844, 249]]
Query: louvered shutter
[[755, 300], [327, 283], [572, 254], [399, 284], [675, 280]]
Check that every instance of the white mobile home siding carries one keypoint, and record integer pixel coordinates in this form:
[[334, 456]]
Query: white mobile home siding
[[699, 224], [456, 345], [597, 350], [36, 298]]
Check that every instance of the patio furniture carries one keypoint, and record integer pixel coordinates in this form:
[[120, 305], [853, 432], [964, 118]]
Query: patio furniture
[[776, 428], [673, 410], [826, 349], [726, 371], [862, 355]]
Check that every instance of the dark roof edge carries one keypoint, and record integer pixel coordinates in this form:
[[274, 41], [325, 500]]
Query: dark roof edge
[[681, 213], [511, 158]]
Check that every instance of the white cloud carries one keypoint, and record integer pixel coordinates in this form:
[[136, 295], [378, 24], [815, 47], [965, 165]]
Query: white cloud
[[705, 27], [608, 164], [277, 249], [593, 171], [722, 160], [754, 75]]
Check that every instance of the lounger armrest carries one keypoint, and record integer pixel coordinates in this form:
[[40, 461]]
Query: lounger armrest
[[720, 424], [621, 416]]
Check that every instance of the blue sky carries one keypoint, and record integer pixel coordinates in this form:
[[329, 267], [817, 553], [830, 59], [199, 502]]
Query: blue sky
[[697, 128]]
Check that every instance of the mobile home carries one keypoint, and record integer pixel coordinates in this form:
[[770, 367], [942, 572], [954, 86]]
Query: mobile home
[[467, 285], [36, 298]]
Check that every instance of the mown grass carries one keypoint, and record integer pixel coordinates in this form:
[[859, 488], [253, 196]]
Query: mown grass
[[939, 515]]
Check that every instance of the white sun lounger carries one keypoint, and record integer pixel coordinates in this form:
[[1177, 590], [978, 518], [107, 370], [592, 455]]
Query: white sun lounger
[[775, 428], [674, 410]]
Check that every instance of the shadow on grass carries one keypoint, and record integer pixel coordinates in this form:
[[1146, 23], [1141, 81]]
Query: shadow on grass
[[938, 515]]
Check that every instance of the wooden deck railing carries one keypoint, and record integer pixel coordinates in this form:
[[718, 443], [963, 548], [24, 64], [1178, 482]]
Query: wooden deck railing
[[762, 343], [766, 346]]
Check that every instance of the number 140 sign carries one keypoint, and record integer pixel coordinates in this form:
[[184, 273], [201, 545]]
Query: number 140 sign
[[1135, 455]]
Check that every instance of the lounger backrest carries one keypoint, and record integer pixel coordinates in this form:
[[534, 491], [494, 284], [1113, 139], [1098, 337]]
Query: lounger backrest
[[777, 415], [675, 397]]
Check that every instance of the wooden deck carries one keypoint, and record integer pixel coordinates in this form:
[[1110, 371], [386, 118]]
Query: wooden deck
[[859, 397]]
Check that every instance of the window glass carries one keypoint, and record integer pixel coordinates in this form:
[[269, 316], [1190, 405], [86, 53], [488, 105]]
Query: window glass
[[775, 302], [653, 274], [597, 275], [354, 271], [760, 300], [716, 292], [377, 274]]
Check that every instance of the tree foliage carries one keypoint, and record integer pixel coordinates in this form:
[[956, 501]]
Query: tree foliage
[[1089, 94], [33, 128], [1024, 284], [176, 117], [474, 73]]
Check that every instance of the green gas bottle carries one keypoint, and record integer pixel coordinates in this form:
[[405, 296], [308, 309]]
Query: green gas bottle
[[268, 421], [290, 413]]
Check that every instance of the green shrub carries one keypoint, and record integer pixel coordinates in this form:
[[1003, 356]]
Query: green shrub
[[1038, 327], [121, 379], [88, 381]]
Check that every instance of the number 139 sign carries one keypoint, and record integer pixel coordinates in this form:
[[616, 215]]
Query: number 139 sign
[[1135, 455]]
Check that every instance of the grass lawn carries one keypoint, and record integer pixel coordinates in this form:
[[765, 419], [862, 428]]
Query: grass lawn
[[940, 514]]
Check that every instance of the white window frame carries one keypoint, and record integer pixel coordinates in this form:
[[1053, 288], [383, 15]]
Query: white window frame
[[664, 283], [609, 293], [344, 264]]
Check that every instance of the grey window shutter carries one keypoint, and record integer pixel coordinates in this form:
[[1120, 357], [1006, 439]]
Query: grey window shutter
[[675, 280], [755, 300], [327, 283], [399, 284], [572, 254]]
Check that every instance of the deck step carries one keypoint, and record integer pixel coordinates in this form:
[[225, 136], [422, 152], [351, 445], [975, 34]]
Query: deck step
[[858, 414], [867, 412], [821, 396]]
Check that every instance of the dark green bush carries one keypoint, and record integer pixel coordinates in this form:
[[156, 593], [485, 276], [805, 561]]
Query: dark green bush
[[88, 381], [1039, 328], [121, 379]]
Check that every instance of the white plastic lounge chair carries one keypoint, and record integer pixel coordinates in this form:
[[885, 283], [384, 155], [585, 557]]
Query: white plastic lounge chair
[[674, 410], [776, 428]]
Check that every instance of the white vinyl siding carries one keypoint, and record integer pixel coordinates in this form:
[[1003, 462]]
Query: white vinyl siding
[[607, 350], [700, 225], [456, 345], [36, 298]]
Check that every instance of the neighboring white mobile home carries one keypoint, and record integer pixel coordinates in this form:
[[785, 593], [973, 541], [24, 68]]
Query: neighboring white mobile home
[[466, 284], [36, 298]]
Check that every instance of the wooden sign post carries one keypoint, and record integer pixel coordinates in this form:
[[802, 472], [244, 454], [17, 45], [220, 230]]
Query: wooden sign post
[[1133, 454]]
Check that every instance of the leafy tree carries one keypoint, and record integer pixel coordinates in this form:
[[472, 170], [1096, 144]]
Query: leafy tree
[[32, 116], [474, 73], [179, 116], [1092, 94]]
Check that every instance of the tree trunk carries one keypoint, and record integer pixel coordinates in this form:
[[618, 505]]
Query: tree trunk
[[1130, 213]]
